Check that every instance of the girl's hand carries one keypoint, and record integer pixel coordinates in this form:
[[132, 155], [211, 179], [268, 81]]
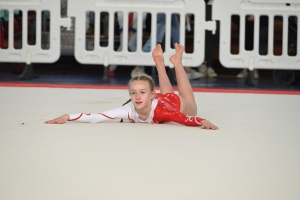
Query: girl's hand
[[59, 120], [208, 125]]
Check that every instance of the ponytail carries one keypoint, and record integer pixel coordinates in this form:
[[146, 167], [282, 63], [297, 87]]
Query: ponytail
[[124, 105]]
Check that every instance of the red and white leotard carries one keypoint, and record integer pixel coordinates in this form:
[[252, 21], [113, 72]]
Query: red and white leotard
[[164, 108]]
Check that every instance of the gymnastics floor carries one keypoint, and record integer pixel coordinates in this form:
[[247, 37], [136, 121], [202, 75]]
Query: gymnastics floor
[[254, 155]]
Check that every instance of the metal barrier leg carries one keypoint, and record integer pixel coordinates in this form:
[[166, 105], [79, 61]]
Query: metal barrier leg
[[28, 73], [105, 75], [250, 78]]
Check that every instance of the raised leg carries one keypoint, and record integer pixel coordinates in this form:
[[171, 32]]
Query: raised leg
[[188, 103], [164, 82]]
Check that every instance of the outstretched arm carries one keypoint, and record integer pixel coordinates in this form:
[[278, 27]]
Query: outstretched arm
[[165, 115], [192, 121], [120, 112], [80, 117]]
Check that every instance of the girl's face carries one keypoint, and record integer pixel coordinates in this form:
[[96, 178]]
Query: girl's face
[[141, 94]]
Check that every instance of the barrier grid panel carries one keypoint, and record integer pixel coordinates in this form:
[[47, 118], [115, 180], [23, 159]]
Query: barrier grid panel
[[90, 47], [38, 40], [266, 33]]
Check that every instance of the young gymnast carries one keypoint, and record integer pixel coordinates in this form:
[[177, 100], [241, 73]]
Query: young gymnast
[[146, 106]]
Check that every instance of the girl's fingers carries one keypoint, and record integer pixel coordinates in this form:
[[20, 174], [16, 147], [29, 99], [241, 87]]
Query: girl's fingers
[[209, 126]]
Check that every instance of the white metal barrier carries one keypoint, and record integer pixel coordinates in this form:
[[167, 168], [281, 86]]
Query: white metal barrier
[[107, 55], [252, 59], [33, 53]]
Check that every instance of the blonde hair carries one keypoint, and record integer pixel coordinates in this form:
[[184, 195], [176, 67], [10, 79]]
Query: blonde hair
[[140, 78], [143, 78]]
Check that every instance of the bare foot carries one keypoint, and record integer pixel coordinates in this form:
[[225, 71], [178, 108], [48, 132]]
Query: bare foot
[[157, 55], [177, 57]]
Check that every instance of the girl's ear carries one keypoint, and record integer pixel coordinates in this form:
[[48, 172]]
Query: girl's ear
[[153, 94]]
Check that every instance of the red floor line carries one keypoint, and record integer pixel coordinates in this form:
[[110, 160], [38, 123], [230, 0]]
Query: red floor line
[[215, 90]]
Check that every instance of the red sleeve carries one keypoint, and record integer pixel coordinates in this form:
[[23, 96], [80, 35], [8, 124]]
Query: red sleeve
[[163, 114], [181, 118]]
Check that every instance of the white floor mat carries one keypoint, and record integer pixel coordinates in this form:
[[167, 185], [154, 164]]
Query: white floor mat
[[254, 155]]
